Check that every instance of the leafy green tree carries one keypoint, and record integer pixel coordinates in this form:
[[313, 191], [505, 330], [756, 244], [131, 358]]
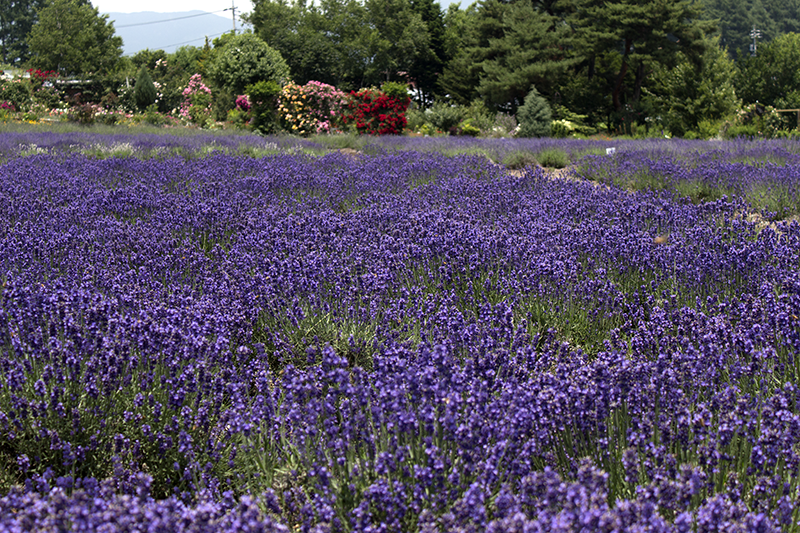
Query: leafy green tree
[[350, 38], [17, 17], [691, 93], [144, 92], [72, 38], [534, 116], [400, 39], [736, 18], [461, 74], [428, 65], [300, 32], [504, 48], [148, 58], [773, 76], [263, 96], [352, 44], [244, 60]]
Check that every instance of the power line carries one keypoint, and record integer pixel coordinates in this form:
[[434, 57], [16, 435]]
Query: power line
[[170, 20], [192, 41]]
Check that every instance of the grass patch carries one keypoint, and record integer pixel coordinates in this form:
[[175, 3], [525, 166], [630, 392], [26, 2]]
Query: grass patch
[[297, 337], [553, 158], [519, 159]]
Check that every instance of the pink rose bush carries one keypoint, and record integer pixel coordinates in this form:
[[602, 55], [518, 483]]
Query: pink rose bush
[[196, 105]]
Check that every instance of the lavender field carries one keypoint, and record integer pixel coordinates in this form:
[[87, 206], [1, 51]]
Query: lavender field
[[241, 334]]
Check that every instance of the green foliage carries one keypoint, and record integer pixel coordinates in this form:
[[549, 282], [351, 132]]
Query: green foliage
[[152, 116], [17, 92], [691, 93], [531, 51], [238, 118], [144, 92], [552, 158], [394, 89], [172, 72], [736, 19], [16, 20], [400, 39], [649, 33], [72, 38], [519, 159], [307, 39], [427, 65], [534, 116], [245, 60], [150, 59], [773, 76], [263, 97], [753, 120], [444, 117], [415, 118], [466, 128], [477, 115], [567, 123], [352, 43]]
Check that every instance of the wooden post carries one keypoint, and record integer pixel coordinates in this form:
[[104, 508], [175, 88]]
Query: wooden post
[[788, 111]]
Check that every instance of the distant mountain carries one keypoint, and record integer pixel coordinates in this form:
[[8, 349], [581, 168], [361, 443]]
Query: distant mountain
[[168, 31]]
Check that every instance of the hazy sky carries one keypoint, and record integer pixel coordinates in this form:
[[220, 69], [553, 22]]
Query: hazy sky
[[175, 6], [171, 6]]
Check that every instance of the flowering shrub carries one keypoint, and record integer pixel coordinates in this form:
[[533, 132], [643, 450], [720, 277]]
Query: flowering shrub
[[375, 112], [326, 103], [313, 107], [40, 78], [250, 325], [104, 115], [293, 110], [17, 92], [754, 120], [242, 102], [196, 105]]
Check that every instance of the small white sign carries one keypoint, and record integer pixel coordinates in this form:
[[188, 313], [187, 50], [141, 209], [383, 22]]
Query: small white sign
[[611, 151]]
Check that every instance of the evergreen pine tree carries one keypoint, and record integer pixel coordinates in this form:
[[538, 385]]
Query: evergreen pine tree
[[144, 92], [535, 49], [535, 116], [645, 33]]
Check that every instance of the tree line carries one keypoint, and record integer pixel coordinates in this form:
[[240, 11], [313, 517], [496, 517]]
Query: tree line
[[674, 65]]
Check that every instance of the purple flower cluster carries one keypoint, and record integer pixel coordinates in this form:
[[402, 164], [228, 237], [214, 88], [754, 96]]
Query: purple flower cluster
[[763, 174], [143, 145], [401, 341], [98, 508]]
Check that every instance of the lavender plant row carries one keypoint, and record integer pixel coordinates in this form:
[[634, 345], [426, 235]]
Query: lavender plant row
[[400, 342], [764, 175]]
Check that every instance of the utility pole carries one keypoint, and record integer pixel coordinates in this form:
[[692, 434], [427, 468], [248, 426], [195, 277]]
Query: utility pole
[[233, 14], [754, 34]]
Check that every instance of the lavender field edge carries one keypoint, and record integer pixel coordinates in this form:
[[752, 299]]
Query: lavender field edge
[[273, 337]]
